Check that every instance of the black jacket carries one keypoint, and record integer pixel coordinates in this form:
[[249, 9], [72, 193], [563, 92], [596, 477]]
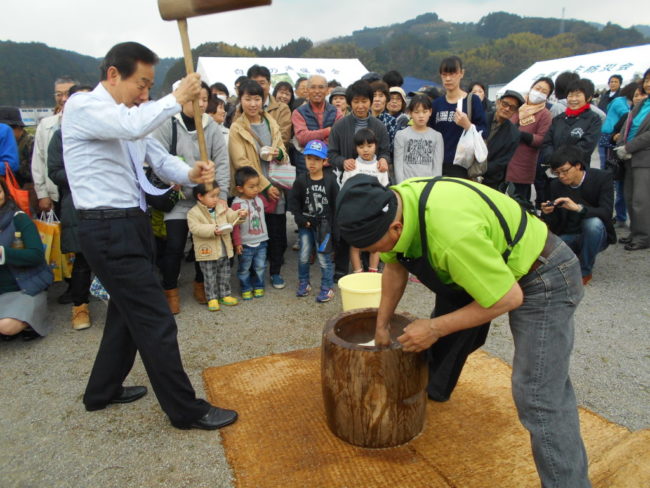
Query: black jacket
[[596, 195], [501, 148], [582, 131], [299, 205], [605, 99]]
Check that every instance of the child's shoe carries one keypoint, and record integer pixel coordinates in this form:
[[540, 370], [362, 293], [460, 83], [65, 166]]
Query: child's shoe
[[213, 305], [230, 301], [325, 295], [258, 292], [247, 295], [303, 289], [277, 281]]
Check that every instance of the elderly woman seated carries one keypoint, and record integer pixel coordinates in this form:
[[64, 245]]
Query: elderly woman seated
[[24, 274]]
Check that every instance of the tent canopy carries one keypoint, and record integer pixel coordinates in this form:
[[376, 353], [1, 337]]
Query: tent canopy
[[414, 84], [227, 70], [629, 62]]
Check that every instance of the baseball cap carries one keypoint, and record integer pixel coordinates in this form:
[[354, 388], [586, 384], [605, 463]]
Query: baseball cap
[[513, 94], [430, 91], [316, 148], [337, 91], [11, 116]]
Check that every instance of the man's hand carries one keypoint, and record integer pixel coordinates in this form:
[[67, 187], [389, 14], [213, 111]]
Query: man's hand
[[566, 202], [419, 335], [460, 118], [239, 250], [273, 193], [547, 208], [188, 89], [349, 164], [382, 337], [202, 172], [382, 165], [45, 204]]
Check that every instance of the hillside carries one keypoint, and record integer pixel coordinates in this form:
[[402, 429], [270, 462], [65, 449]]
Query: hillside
[[495, 49]]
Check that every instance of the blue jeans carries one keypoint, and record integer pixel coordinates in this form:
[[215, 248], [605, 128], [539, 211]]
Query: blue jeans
[[543, 329], [307, 245], [587, 244], [255, 258]]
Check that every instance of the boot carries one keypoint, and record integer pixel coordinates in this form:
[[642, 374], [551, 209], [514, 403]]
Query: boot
[[173, 300], [199, 293], [80, 317]]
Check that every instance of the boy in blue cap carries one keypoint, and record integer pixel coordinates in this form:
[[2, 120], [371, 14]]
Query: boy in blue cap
[[312, 202]]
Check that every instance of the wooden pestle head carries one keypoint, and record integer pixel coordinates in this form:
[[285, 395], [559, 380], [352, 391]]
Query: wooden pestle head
[[183, 9]]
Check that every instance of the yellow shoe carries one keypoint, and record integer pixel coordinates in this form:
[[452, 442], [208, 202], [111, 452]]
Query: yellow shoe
[[247, 295], [80, 317], [213, 305], [229, 301], [259, 293]]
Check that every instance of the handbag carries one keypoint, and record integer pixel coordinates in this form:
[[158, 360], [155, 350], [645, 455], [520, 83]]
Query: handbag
[[166, 201], [282, 175], [471, 151], [20, 196]]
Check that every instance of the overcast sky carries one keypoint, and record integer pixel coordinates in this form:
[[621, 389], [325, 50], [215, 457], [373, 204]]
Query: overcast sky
[[92, 26]]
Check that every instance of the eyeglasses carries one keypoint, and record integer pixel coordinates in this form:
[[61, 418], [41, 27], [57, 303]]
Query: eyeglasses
[[562, 172], [508, 106]]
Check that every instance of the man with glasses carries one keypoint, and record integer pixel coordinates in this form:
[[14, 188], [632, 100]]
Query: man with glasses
[[503, 138], [580, 207], [314, 119]]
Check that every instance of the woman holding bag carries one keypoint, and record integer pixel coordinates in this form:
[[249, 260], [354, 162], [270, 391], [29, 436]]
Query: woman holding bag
[[255, 140], [24, 274]]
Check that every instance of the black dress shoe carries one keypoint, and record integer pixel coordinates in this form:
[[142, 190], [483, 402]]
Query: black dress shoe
[[634, 246], [29, 334], [214, 419], [625, 240], [129, 394]]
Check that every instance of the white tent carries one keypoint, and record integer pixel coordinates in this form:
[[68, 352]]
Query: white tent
[[227, 70], [629, 62]]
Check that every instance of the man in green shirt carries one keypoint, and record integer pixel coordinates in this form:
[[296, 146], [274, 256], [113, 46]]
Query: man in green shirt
[[483, 256]]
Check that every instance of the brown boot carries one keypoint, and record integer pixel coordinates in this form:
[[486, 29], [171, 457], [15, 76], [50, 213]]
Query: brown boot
[[173, 300], [199, 293], [80, 317]]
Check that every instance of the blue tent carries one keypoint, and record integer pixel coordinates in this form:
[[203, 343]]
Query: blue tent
[[414, 84]]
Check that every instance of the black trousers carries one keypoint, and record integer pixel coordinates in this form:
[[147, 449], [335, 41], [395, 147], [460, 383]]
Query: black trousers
[[277, 226], [172, 254], [121, 252], [80, 280]]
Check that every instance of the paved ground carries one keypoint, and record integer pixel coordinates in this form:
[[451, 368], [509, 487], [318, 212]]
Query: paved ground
[[49, 440]]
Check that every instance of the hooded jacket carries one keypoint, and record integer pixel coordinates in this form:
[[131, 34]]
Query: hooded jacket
[[207, 245]]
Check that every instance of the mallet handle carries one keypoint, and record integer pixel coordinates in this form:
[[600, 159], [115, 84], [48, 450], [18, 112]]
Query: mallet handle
[[189, 68]]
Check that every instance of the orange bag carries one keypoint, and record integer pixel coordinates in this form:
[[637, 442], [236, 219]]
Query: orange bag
[[20, 196]]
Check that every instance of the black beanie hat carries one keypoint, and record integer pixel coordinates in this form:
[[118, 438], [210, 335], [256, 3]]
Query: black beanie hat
[[364, 210]]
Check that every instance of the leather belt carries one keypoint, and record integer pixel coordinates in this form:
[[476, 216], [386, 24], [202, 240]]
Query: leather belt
[[109, 213], [549, 245]]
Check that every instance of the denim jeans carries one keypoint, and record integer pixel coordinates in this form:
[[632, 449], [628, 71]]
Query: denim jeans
[[543, 329], [587, 244], [251, 267], [307, 245]]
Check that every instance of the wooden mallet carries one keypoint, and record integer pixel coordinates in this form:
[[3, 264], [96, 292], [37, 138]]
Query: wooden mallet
[[180, 10]]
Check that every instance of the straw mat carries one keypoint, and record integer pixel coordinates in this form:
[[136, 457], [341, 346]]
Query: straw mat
[[472, 441]]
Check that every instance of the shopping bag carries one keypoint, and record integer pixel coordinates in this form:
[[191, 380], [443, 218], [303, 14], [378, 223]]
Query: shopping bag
[[98, 291], [282, 175], [20, 196], [49, 228]]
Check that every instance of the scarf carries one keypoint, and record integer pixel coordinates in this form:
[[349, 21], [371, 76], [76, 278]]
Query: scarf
[[574, 113], [527, 112]]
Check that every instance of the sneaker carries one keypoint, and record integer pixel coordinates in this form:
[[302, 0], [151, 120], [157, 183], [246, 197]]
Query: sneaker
[[325, 295], [229, 301], [296, 246], [213, 305], [303, 289], [259, 292], [247, 295], [277, 281], [586, 279]]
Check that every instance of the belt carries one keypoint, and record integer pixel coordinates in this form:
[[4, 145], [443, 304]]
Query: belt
[[109, 213], [549, 245]]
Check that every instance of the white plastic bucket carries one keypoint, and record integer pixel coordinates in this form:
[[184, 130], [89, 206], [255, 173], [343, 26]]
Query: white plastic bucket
[[360, 290]]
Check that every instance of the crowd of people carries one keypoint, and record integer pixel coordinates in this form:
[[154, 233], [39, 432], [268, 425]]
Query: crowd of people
[[126, 178]]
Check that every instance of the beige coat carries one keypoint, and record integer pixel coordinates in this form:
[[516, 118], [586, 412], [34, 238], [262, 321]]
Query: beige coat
[[242, 148], [280, 112], [207, 245]]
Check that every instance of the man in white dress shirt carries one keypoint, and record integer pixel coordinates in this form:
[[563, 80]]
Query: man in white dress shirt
[[106, 140]]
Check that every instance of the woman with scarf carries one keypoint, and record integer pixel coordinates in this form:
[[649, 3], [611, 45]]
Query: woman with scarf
[[533, 120], [578, 125], [24, 274]]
